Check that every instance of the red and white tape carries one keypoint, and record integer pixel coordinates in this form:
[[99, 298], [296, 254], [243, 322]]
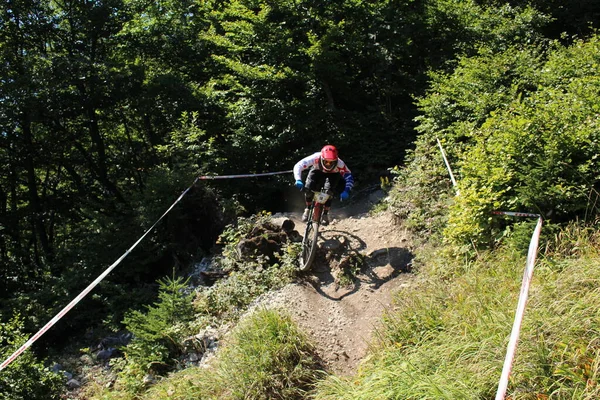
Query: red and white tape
[[515, 214], [210, 177]]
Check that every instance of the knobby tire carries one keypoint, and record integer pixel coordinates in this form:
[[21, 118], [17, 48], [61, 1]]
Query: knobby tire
[[309, 245]]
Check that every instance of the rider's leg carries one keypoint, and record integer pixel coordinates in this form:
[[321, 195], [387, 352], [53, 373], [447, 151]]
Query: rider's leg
[[325, 216], [314, 181], [337, 186], [305, 214]]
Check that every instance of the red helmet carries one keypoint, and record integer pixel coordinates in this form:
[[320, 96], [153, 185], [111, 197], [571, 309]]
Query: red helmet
[[329, 157]]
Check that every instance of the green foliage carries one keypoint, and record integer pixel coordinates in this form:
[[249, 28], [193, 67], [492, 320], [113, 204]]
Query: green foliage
[[105, 98], [455, 106], [538, 154], [466, 26], [158, 334], [478, 85], [349, 267], [187, 147], [25, 377], [110, 108], [520, 131], [266, 357], [447, 339], [422, 191]]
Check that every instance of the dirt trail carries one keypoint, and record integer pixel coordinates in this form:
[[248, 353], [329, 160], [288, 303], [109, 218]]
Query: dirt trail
[[341, 321]]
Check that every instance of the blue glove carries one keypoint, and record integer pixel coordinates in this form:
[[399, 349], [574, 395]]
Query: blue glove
[[345, 194], [299, 184]]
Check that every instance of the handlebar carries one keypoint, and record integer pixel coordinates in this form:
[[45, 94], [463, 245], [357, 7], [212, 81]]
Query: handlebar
[[323, 195]]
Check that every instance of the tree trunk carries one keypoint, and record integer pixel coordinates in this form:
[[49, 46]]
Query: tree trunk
[[14, 225], [98, 147], [37, 212]]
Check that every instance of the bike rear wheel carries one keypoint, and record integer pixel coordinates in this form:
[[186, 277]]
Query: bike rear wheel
[[309, 245]]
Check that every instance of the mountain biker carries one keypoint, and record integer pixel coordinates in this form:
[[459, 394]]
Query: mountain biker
[[323, 164]]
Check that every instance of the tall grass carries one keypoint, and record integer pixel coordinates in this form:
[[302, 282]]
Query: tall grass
[[448, 338]]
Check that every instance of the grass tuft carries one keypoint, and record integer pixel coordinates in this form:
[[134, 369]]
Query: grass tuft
[[266, 357]]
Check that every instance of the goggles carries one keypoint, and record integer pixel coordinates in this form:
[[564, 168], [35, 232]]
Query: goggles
[[329, 164]]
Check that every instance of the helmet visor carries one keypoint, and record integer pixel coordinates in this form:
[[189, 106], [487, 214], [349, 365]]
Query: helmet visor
[[329, 164]]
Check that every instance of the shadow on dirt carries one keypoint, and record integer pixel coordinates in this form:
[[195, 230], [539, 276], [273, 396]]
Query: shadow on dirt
[[385, 264], [375, 269]]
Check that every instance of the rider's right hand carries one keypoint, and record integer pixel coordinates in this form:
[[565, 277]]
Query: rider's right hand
[[299, 184]]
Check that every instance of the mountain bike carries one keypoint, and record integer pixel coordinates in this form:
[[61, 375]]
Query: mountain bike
[[311, 233]]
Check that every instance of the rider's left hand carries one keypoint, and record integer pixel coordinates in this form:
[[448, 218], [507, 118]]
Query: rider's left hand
[[345, 194]]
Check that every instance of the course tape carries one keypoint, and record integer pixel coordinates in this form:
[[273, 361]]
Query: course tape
[[516, 329], [209, 177], [88, 289], [92, 285], [527, 275], [515, 214], [448, 166]]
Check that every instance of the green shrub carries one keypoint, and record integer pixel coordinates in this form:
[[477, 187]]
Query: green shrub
[[266, 357], [25, 377], [422, 192], [453, 109], [158, 334], [538, 155], [521, 132]]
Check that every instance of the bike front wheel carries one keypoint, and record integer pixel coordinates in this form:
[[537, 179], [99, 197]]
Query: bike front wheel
[[309, 245]]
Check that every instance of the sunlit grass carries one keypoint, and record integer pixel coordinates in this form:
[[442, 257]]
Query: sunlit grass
[[447, 339]]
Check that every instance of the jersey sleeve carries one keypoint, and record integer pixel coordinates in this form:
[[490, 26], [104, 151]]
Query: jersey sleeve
[[305, 163], [345, 171]]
